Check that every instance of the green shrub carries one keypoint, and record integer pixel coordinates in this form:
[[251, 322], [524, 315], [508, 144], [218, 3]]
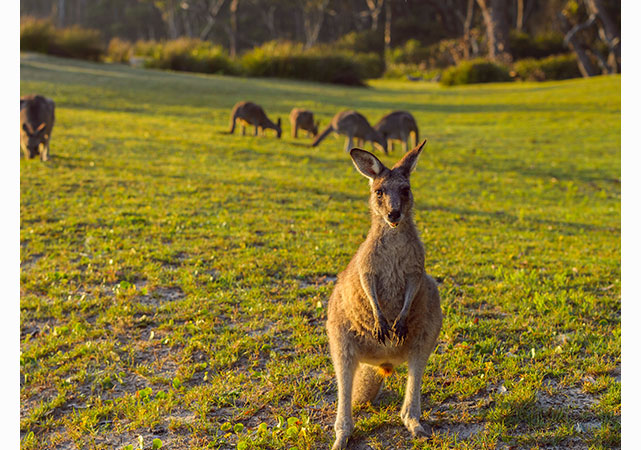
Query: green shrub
[[39, 35], [119, 51], [322, 63], [367, 41], [78, 42], [475, 71], [36, 35], [187, 55], [409, 53], [556, 67], [522, 45]]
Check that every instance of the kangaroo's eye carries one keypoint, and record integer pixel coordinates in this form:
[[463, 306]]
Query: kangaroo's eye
[[379, 193]]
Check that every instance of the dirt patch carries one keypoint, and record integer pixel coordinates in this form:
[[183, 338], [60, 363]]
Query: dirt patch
[[161, 295], [317, 281]]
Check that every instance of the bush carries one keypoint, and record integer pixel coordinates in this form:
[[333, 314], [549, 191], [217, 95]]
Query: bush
[[119, 51], [36, 35], [322, 63], [77, 42], [475, 71], [556, 67], [39, 35], [188, 55], [367, 41], [522, 45]]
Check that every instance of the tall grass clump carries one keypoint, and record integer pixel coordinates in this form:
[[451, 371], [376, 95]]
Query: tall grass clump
[[555, 67], [322, 63], [475, 71], [187, 55]]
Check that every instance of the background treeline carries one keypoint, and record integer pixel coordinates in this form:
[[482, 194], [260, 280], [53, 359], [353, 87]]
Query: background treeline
[[455, 41]]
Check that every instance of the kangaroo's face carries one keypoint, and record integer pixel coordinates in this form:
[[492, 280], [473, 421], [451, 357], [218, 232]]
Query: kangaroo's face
[[391, 197], [390, 193], [31, 139]]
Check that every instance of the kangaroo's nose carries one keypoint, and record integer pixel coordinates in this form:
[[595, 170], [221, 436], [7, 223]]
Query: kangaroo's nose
[[394, 215]]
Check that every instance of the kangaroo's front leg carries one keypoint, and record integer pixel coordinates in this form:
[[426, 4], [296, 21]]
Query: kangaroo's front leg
[[400, 324], [381, 327]]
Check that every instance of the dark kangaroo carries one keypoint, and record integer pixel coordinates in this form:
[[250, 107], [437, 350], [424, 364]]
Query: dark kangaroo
[[36, 123], [384, 310], [355, 126], [303, 119], [250, 114], [397, 126]]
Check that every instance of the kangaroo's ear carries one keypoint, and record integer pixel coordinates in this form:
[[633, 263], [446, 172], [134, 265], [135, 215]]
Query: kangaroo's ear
[[366, 163], [408, 162]]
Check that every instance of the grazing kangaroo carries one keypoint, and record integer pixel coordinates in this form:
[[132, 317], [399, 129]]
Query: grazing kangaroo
[[385, 309], [36, 124], [303, 119], [353, 125], [398, 125], [249, 114]]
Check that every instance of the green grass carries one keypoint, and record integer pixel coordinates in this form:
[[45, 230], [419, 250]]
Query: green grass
[[174, 278]]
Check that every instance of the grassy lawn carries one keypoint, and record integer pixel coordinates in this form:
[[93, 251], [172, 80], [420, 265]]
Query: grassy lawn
[[174, 278]]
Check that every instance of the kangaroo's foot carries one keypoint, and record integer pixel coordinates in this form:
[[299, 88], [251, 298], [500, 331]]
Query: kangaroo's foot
[[341, 439]]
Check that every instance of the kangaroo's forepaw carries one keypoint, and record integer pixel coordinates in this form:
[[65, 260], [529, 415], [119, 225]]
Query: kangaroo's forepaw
[[341, 440], [400, 331], [381, 330]]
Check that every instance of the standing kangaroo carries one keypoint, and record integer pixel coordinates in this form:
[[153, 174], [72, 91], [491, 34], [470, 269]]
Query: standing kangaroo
[[36, 123], [249, 114], [304, 120], [398, 125], [384, 283], [353, 125]]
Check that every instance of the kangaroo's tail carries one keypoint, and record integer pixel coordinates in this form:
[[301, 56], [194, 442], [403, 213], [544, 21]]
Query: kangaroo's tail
[[322, 136], [368, 381], [232, 124], [415, 130]]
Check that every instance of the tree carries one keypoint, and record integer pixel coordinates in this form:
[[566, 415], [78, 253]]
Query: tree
[[313, 16], [609, 33], [496, 28]]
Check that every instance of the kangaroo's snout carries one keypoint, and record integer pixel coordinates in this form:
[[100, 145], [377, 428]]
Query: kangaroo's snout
[[394, 215]]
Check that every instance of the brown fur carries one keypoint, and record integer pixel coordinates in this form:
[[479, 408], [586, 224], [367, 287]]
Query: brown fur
[[303, 119], [355, 126], [37, 116], [397, 126], [250, 114], [385, 310]]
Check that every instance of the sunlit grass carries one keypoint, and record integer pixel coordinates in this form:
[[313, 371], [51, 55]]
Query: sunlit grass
[[174, 278]]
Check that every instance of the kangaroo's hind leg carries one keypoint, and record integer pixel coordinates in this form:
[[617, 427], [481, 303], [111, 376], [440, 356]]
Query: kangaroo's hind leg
[[345, 365]]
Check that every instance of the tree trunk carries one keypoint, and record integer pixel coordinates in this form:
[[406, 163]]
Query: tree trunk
[[375, 7], [233, 29], [388, 24], [466, 28], [497, 29], [609, 32], [519, 15], [571, 40], [313, 15]]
